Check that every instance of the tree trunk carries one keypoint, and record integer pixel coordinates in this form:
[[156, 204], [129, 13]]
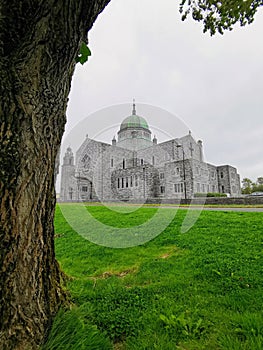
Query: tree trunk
[[39, 41]]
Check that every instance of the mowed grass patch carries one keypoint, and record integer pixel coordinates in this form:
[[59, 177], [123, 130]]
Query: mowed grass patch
[[197, 290]]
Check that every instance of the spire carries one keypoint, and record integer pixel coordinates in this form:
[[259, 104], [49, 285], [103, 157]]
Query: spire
[[68, 157], [133, 109]]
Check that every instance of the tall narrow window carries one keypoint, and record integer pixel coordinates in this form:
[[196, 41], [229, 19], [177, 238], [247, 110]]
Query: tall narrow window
[[136, 180], [127, 182], [131, 181], [152, 160], [118, 182], [141, 161], [111, 162], [122, 182], [221, 174], [182, 187], [123, 164]]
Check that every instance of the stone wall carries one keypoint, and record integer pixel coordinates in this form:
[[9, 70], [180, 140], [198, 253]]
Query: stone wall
[[135, 183], [228, 180], [256, 200], [109, 172]]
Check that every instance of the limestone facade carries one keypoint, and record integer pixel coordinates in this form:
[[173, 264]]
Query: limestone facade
[[137, 167]]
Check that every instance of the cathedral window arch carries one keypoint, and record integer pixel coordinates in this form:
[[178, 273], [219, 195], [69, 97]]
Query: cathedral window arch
[[136, 180], [179, 187]]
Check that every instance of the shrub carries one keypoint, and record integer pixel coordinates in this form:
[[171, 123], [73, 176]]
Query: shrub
[[210, 194]]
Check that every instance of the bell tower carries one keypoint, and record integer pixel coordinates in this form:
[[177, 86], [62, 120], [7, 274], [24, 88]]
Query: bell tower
[[68, 186]]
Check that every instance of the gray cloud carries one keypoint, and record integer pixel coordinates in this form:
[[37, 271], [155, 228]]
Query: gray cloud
[[141, 49]]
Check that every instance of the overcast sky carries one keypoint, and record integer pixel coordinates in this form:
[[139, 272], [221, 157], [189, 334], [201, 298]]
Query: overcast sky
[[142, 50]]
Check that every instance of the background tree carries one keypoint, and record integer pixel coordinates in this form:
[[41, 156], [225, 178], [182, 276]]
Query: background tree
[[218, 16], [247, 185], [39, 43], [258, 186]]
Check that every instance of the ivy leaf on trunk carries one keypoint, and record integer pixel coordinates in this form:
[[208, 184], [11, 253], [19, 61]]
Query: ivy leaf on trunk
[[84, 54]]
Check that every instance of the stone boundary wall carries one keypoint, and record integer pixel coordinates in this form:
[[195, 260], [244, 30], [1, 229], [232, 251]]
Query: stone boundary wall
[[257, 200]]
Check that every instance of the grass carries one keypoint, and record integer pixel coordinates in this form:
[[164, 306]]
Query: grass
[[196, 290], [147, 205]]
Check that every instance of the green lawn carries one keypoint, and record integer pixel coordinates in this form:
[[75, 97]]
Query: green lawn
[[196, 290]]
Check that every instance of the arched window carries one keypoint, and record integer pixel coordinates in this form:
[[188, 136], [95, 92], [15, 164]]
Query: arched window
[[136, 180]]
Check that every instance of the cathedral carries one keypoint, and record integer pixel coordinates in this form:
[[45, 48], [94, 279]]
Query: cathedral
[[135, 167]]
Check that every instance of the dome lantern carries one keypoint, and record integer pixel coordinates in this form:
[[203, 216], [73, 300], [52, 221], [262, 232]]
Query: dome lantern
[[134, 131]]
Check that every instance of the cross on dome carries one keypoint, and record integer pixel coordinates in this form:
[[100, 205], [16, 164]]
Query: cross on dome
[[134, 108]]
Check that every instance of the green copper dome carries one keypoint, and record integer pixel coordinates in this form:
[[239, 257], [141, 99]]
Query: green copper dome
[[134, 121]]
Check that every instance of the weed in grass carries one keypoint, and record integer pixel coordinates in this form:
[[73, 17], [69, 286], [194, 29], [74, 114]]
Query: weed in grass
[[70, 331], [184, 325]]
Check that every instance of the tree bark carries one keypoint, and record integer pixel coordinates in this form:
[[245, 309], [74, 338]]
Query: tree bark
[[39, 41]]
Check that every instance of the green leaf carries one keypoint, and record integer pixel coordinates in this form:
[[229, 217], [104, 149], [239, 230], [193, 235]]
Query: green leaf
[[84, 53]]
